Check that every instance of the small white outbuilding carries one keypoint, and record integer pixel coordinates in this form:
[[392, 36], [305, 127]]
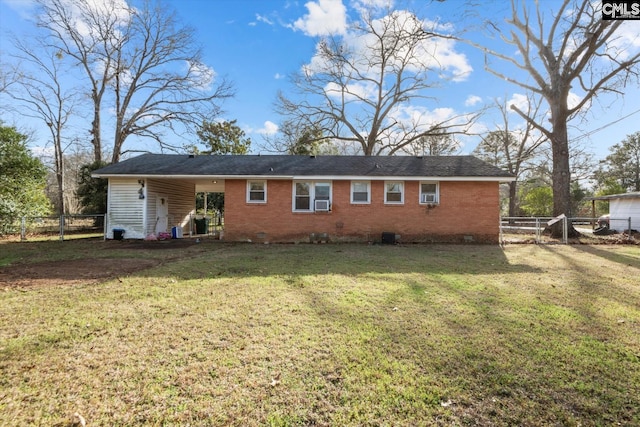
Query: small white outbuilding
[[622, 208]]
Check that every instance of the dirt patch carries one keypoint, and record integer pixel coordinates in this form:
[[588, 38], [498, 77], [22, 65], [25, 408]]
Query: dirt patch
[[71, 272], [152, 244]]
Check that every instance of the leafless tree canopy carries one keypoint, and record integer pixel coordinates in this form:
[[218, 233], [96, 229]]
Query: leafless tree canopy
[[436, 143], [511, 148], [140, 63], [39, 89], [573, 52], [359, 92]]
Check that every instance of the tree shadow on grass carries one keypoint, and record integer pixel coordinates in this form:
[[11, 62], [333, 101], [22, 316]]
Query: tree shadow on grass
[[346, 259], [498, 351], [611, 255]]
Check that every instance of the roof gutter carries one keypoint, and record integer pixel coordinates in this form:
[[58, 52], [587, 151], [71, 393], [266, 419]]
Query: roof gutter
[[315, 177]]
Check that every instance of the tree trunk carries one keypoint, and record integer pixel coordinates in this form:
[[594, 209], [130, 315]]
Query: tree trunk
[[561, 176], [56, 133], [512, 198], [117, 146], [95, 132], [61, 201]]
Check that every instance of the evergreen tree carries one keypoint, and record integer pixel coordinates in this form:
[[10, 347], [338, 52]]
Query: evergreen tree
[[22, 180]]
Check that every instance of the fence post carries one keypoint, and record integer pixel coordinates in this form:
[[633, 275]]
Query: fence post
[[629, 236], [62, 228], [538, 235], [565, 230], [23, 229]]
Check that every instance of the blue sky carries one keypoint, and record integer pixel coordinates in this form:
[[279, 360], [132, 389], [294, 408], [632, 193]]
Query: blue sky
[[258, 43]]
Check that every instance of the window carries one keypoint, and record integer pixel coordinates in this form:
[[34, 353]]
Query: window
[[322, 196], [256, 191], [311, 196], [394, 192], [360, 192], [429, 192], [302, 196], [323, 191]]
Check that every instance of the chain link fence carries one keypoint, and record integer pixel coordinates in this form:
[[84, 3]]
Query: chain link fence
[[538, 230], [512, 229], [63, 227]]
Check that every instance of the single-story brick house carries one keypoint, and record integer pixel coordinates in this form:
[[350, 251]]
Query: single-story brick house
[[285, 198]]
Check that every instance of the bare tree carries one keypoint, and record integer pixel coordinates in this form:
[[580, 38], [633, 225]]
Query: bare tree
[[577, 50], [512, 149], [39, 89], [438, 143], [139, 60], [360, 89], [7, 77], [292, 139], [89, 35]]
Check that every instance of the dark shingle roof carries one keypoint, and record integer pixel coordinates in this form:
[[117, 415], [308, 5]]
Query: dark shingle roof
[[299, 166], [633, 195]]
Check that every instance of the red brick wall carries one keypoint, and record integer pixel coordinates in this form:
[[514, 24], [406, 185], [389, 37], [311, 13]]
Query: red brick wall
[[465, 209]]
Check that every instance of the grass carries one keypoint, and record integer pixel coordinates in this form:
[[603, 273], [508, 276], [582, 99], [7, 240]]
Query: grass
[[297, 335]]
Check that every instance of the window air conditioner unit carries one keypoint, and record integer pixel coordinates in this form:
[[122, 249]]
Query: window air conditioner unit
[[428, 198], [322, 205]]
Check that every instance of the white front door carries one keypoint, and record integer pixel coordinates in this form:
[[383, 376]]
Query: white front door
[[162, 213]]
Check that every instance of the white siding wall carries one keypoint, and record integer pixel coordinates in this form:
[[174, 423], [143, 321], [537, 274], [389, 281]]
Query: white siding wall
[[125, 210], [181, 198], [620, 210]]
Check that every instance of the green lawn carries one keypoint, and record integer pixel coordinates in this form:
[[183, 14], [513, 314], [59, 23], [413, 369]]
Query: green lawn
[[335, 335]]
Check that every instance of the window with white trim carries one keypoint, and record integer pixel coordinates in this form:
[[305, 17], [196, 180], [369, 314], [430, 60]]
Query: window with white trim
[[394, 192], [256, 191], [311, 196], [429, 192], [360, 192]]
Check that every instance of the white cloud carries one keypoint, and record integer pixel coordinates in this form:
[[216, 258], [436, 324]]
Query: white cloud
[[626, 41], [366, 5], [40, 151], [269, 128], [116, 10], [451, 62], [325, 17], [574, 99], [374, 3], [472, 100], [436, 54], [423, 118], [278, 76], [520, 101], [352, 92], [202, 75], [261, 18]]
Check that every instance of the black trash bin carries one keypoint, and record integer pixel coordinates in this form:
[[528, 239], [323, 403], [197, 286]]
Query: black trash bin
[[202, 225], [118, 234]]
